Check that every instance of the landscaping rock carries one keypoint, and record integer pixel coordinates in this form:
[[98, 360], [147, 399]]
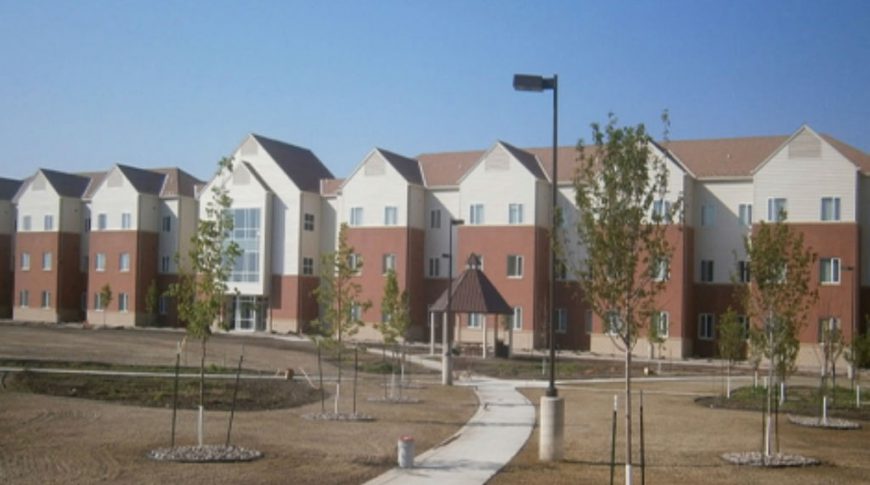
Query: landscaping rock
[[830, 423], [778, 460], [205, 454]]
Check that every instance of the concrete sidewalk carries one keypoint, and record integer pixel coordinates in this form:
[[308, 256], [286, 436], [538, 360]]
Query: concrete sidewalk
[[497, 431]]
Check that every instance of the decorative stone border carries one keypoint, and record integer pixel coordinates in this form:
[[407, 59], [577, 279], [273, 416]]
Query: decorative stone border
[[778, 460], [338, 417], [205, 454], [830, 423]]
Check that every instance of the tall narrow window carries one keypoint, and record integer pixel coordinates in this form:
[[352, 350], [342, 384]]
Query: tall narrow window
[[706, 271], [308, 266], [102, 222], [126, 220], [561, 320], [435, 219], [391, 215], [124, 262], [354, 260], [167, 223], [389, 262], [743, 271], [164, 264], [660, 270], [356, 216], [830, 271], [48, 222], [163, 305], [708, 215], [100, 262], [475, 213], [706, 326], [46, 299], [246, 234], [745, 214], [776, 209], [98, 302], [515, 213], [308, 225], [25, 223], [25, 261], [587, 321], [660, 210], [24, 298], [434, 267], [46, 261], [830, 208], [514, 266], [613, 323], [517, 318], [123, 302], [661, 321]]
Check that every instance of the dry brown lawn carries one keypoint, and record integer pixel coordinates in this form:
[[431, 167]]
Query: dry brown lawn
[[46, 439], [683, 442]]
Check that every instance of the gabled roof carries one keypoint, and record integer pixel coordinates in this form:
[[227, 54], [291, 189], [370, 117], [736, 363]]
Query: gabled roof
[[445, 169], [724, 157], [409, 169], [8, 188], [473, 292], [66, 184], [300, 164], [144, 181], [528, 160], [96, 179], [177, 183], [330, 187], [855, 155]]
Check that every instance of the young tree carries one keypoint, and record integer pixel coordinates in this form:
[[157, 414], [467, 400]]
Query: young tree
[[201, 288], [339, 298], [151, 297], [396, 315], [858, 353], [105, 299], [621, 186], [732, 343], [777, 300], [832, 345]]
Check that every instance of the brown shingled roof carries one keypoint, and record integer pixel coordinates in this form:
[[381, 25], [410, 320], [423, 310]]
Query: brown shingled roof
[[855, 155], [408, 168], [300, 164], [725, 157], [329, 187], [177, 182], [473, 292], [445, 169]]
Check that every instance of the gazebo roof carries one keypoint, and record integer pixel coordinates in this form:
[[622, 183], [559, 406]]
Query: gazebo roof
[[473, 293]]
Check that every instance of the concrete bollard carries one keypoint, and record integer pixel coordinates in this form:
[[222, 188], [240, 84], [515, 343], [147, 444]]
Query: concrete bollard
[[406, 451], [552, 431]]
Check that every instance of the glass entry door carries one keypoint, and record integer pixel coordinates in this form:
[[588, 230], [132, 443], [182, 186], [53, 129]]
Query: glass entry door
[[248, 314]]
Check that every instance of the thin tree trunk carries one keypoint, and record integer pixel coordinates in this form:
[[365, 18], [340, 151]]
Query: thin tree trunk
[[201, 422], [728, 383], [628, 409]]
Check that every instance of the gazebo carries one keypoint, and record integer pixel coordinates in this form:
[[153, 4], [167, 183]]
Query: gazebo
[[473, 292]]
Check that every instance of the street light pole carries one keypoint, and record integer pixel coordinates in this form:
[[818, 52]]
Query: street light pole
[[447, 358], [552, 406]]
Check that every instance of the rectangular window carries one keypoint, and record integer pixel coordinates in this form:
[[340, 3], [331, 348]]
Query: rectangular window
[[48, 222], [435, 219], [46, 299], [475, 320], [587, 321], [515, 214], [124, 262], [87, 224], [102, 222], [100, 262], [389, 262], [708, 215], [308, 266], [123, 302], [98, 302], [745, 214], [354, 260], [246, 233], [163, 305], [25, 261], [391, 215], [434, 267], [126, 220], [356, 216], [830, 271], [356, 313], [46, 261], [706, 326], [561, 320], [475, 214], [743, 271], [660, 270], [517, 318], [744, 324], [514, 266], [660, 210], [830, 208], [827, 325], [612, 324], [661, 321], [776, 209], [167, 223], [25, 223], [24, 298], [164, 264], [308, 224], [706, 271]]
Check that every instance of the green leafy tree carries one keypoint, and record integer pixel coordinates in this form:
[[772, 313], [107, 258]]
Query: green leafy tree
[[105, 299], [777, 301], [832, 345], [731, 342], [202, 281], [858, 353], [151, 296], [623, 231], [396, 316], [657, 334], [338, 295]]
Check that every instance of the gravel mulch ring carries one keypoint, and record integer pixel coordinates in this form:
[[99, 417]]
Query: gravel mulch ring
[[205, 454], [830, 423], [338, 417], [779, 460], [396, 400]]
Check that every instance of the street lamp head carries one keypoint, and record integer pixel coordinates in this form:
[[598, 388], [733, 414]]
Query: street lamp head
[[457, 222], [528, 82]]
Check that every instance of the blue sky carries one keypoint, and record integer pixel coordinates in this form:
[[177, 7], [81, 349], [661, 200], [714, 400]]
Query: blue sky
[[85, 84]]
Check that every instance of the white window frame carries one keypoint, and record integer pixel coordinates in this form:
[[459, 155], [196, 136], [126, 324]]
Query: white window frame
[[476, 214], [475, 320], [26, 224], [123, 302], [744, 214], [25, 261], [663, 321], [100, 262], [834, 209], [708, 215], [662, 270], [613, 323], [389, 262], [48, 222], [124, 262], [515, 270], [126, 220], [561, 320], [835, 271], [773, 206], [102, 222], [47, 261], [354, 261], [515, 213], [517, 318], [660, 210], [98, 302], [391, 215], [356, 312], [435, 219], [706, 326], [357, 216], [24, 298], [831, 322], [46, 299], [708, 271]]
